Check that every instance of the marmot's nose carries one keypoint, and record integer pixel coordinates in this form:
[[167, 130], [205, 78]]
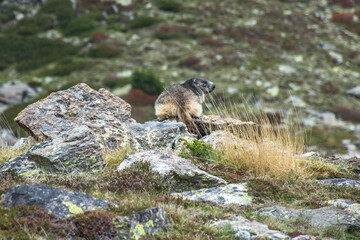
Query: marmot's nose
[[212, 87]]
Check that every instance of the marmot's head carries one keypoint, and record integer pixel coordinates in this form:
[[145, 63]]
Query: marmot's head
[[200, 86]]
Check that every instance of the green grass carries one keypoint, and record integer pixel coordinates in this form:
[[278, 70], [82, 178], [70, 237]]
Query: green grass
[[30, 53], [147, 81], [142, 22]]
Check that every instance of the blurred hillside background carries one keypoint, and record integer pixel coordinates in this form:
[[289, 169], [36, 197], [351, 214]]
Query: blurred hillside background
[[296, 59]]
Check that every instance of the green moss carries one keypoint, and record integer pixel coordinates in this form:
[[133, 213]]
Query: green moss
[[142, 22], [29, 53], [199, 149], [169, 5], [32, 26], [147, 81]]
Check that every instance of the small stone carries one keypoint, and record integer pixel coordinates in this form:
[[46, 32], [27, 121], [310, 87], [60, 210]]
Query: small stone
[[59, 202], [222, 195], [285, 69], [245, 229], [342, 182], [139, 224], [185, 174]]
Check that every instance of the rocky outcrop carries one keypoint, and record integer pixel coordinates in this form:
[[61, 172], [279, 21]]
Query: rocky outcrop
[[211, 123], [75, 151], [341, 182], [139, 224], [61, 203], [103, 112], [7, 137], [245, 229], [319, 218], [185, 174], [159, 135], [106, 115], [222, 195]]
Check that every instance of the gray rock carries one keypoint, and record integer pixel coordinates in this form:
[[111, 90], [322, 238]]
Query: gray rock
[[222, 195], [7, 137], [104, 113], [219, 139], [319, 218], [343, 182], [145, 222], [59, 202], [245, 229], [354, 92], [75, 151], [210, 123], [185, 174], [346, 205], [15, 92], [159, 135]]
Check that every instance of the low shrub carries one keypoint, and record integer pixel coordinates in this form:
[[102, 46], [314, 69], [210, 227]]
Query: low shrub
[[147, 81], [104, 51], [80, 26], [32, 26], [169, 5], [166, 32], [142, 22], [191, 62]]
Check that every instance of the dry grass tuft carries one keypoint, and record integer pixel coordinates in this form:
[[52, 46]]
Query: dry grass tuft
[[113, 157], [270, 151]]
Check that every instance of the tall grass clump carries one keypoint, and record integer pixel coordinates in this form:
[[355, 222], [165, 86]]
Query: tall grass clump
[[269, 149]]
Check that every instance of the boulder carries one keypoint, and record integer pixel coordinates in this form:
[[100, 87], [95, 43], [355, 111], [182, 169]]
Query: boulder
[[320, 218], [185, 174], [61, 203], [160, 135], [103, 112], [75, 151], [246, 229], [210, 123], [223, 195], [145, 222], [341, 182], [7, 138], [15, 92]]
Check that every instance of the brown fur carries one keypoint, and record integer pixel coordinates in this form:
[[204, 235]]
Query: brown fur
[[183, 101]]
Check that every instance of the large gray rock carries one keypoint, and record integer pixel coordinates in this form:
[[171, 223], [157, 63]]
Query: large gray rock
[[319, 218], [160, 135], [222, 195], [341, 182], [75, 151], [245, 229], [210, 123], [103, 112], [139, 224], [15, 92], [185, 174], [59, 202]]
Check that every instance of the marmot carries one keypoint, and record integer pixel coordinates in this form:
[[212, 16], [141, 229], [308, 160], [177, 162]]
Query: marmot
[[183, 101]]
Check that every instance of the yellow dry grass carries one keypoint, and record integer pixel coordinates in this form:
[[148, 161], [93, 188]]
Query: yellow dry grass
[[271, 150], [113, 157]]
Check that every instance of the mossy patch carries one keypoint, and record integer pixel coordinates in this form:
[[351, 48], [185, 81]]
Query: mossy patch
[[142, 22]]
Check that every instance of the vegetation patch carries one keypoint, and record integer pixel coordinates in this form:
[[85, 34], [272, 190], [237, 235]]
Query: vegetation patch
[[169, 5], [62, 9], [104, 51], [147, 81], [67, 66], [29, 53], [142, 22]]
